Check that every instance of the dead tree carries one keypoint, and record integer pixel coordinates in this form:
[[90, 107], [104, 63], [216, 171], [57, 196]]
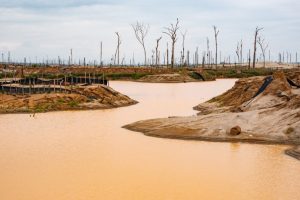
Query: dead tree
[[183, 49], [263, 46], [141, 31], [172, 33], [167, 54], [239, 51], [188, 58], [101, 62], [156, 51], [117, 53], [216, 43], [71, 57], [207, 51], [255, 42], [152, 58]]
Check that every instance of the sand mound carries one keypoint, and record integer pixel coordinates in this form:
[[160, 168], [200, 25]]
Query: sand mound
[[81, 98], [266, 109], [242, 91]]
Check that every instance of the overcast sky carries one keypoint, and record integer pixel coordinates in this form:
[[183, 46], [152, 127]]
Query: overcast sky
[[50, 28]]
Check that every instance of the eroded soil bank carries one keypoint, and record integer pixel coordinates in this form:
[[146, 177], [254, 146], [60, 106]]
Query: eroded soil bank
[[168, 78], [258, 110], [79, 98]]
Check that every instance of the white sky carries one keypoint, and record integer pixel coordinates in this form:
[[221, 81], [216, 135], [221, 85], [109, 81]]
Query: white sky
[[45, 28]]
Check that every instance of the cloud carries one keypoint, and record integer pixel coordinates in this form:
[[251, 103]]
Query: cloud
[[49, 4], [51, 28]]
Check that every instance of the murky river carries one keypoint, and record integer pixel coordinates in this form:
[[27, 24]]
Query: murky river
[[87, 155]]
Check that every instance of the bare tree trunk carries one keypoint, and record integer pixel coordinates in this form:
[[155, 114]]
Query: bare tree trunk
[[216, 41], [156, 51], [167, 54], [101, 62], [241, 52], [255, 42], [117, 53], [172, 56], [207, 52], [183, 50], [172, 33], [249, 59], [188, 58]]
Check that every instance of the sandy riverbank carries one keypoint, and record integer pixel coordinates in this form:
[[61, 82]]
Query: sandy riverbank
[[239, 115], [168, 78], [80, 98]]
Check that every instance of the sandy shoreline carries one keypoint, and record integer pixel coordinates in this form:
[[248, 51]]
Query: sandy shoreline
[[269, 117]]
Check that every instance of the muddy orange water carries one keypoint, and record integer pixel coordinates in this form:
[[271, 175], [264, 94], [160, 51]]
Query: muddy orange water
[[87, 155]]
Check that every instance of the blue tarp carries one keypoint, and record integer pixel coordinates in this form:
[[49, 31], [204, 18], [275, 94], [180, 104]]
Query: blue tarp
[[267, 82]]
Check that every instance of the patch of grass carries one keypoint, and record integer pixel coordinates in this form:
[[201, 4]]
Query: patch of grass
[[211, 74], [73, 103], [40, 108], [116, 76], [61, 101]]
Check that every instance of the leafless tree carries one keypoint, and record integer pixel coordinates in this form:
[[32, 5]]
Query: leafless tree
[[183, 49], [101, 62], [141, 31], [188, 58], [263, 46], [207, 51], [117, 53], [255, 43], [172, 33], [167, 54], [216, 31], [239, 51], [156, 51]]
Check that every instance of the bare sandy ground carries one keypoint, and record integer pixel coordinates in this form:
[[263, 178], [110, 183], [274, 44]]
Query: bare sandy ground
[[271, 117], [81, 98]]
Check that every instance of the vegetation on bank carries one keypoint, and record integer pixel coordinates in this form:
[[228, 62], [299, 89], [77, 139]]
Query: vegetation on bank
[[212, 74], [120, 76], [135, 73]]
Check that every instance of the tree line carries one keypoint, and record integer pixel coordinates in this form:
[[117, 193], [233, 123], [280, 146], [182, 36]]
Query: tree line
[[172, 32]]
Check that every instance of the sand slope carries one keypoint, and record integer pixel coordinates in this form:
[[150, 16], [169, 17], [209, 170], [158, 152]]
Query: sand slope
[[271, 117], [81, 98]]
